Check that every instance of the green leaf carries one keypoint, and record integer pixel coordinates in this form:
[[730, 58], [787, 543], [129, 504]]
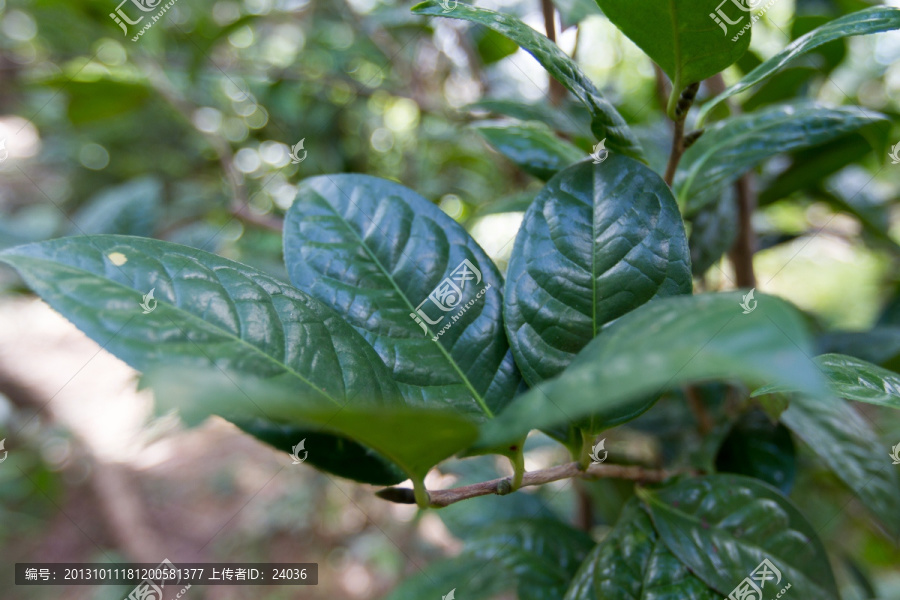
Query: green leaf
[[839, 436], [493, 47], [537, 557], [869, 20], [570, 117], [810, 167], [598, 241], [413, 438], [731, 148], [533, 147], [466, 574], [329, 452], [661, 345], [210, 311], [880, 345], [681, 36], [713, 231], [132, 208], [758, 448], [606, 122], [632, 563], [854, 379], [722, 527], [375, 251]]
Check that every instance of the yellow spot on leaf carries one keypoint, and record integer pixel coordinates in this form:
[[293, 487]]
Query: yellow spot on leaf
[[117, 258]]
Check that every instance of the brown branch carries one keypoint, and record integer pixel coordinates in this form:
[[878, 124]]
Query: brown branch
[[678, 140], [677, 151], [557, 91], [741, 253], [502, 486]]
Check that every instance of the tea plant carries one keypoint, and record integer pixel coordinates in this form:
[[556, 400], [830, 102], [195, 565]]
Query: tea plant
[[397, 343]]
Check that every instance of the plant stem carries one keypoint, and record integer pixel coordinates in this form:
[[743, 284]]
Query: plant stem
[[518, 463], [679, 114], [675, 154], [441, 498], [584, 459], [741, 253], [421, 494], [557, 91]]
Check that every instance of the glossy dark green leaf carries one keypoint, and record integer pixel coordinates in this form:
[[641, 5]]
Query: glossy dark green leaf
[[854, 379], [730, 148], [661, 345], [209, 311], [532, 147], [722, 527], [606, 122], [598, 241], [632, 563], [133, 208], [413, 438], [376, 252], [842, 439], [869, 20], [758, 448], [537, 557]]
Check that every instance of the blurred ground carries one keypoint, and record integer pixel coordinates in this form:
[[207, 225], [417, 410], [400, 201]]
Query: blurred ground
[[125, 486]]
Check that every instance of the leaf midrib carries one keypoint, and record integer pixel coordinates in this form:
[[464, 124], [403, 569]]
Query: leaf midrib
[[192, 317], [386, 273]]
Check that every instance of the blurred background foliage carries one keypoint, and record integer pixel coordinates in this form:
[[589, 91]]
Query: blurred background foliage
[[186, 135]]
